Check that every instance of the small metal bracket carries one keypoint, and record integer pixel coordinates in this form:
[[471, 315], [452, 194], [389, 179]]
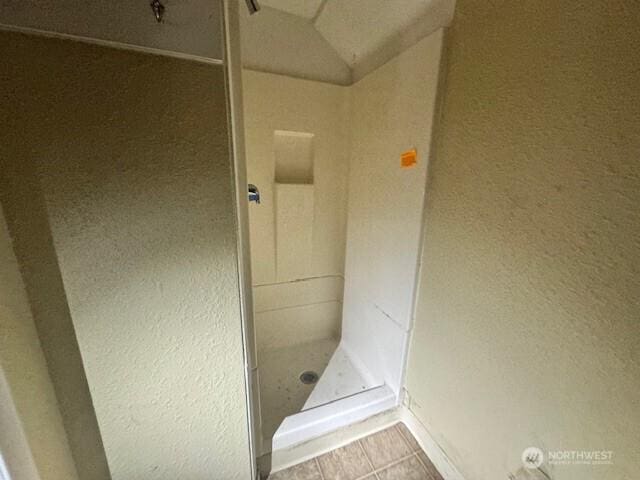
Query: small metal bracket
[[158, 10], [254, 194]]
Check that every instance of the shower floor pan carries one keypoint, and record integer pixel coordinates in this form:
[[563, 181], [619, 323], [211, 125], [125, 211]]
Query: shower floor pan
[[294, 412], [282, 393], [329, 417]]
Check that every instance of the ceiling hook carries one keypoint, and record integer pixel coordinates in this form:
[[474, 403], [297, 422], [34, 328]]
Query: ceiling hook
[[158, 10]]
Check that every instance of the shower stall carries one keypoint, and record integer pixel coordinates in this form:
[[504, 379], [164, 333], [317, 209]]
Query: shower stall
[[335, 239]]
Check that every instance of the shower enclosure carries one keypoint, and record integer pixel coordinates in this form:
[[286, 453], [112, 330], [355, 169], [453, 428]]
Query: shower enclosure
[[341, 169]]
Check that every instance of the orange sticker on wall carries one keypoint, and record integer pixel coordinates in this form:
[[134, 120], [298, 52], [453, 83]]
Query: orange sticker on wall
[[409, 158]]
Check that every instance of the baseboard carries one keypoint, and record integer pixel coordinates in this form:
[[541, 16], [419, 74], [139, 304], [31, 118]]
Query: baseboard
[[435, 453], [287, 457]]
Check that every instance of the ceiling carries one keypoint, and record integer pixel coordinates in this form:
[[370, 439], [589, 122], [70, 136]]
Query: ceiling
[[302, 8], [362, 33], [336, 41], [356, 28]]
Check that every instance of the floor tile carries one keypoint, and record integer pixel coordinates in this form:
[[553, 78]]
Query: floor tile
[[346, 463], [303, 471], [385, 447], [408, 437], [431, 469], [409, 469]]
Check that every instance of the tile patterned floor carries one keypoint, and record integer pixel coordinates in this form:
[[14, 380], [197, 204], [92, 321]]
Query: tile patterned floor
[[392, 454]]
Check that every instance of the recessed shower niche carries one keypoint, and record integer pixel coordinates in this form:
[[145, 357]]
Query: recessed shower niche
[[294, 157], [294, 204]]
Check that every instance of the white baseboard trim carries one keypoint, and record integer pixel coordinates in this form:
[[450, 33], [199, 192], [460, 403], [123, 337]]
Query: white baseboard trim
[[302, 452], [287, 457], [435, 453]]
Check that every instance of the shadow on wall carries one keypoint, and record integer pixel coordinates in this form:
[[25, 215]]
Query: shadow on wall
[[26, 215], [119, 197]]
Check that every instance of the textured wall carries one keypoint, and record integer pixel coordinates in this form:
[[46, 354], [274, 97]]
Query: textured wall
[[131, 153], [392, 108], [29, 109], [32, 394], [527, 328], [16, 459]]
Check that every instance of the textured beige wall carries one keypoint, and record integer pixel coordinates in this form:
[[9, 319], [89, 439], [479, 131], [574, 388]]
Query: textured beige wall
[[28, 387], [26, 217], [30, 109], [527, 327], [131, 154], [15, 454]]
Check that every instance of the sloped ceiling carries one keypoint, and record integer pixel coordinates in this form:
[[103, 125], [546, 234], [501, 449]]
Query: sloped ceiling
[[302, 8], [336, 41], [363, 33], [357, 28], [279, 42]]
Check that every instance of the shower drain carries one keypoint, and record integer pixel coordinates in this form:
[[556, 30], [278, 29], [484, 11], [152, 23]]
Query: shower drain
[[309, 377]]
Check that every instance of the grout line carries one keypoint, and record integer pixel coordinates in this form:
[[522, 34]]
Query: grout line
[[394, 463], [424, 466], [406, 440], [373, 469], [384, 467], [319, 468]]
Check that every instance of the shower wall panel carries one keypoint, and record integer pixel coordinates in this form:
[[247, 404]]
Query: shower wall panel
[[393, 108], [297, 154]]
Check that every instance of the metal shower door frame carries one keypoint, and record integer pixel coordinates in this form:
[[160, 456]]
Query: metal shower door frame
[[233, 80]]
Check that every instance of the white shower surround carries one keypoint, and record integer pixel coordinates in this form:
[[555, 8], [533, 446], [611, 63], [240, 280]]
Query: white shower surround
[[389, 111], [392, 112]]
